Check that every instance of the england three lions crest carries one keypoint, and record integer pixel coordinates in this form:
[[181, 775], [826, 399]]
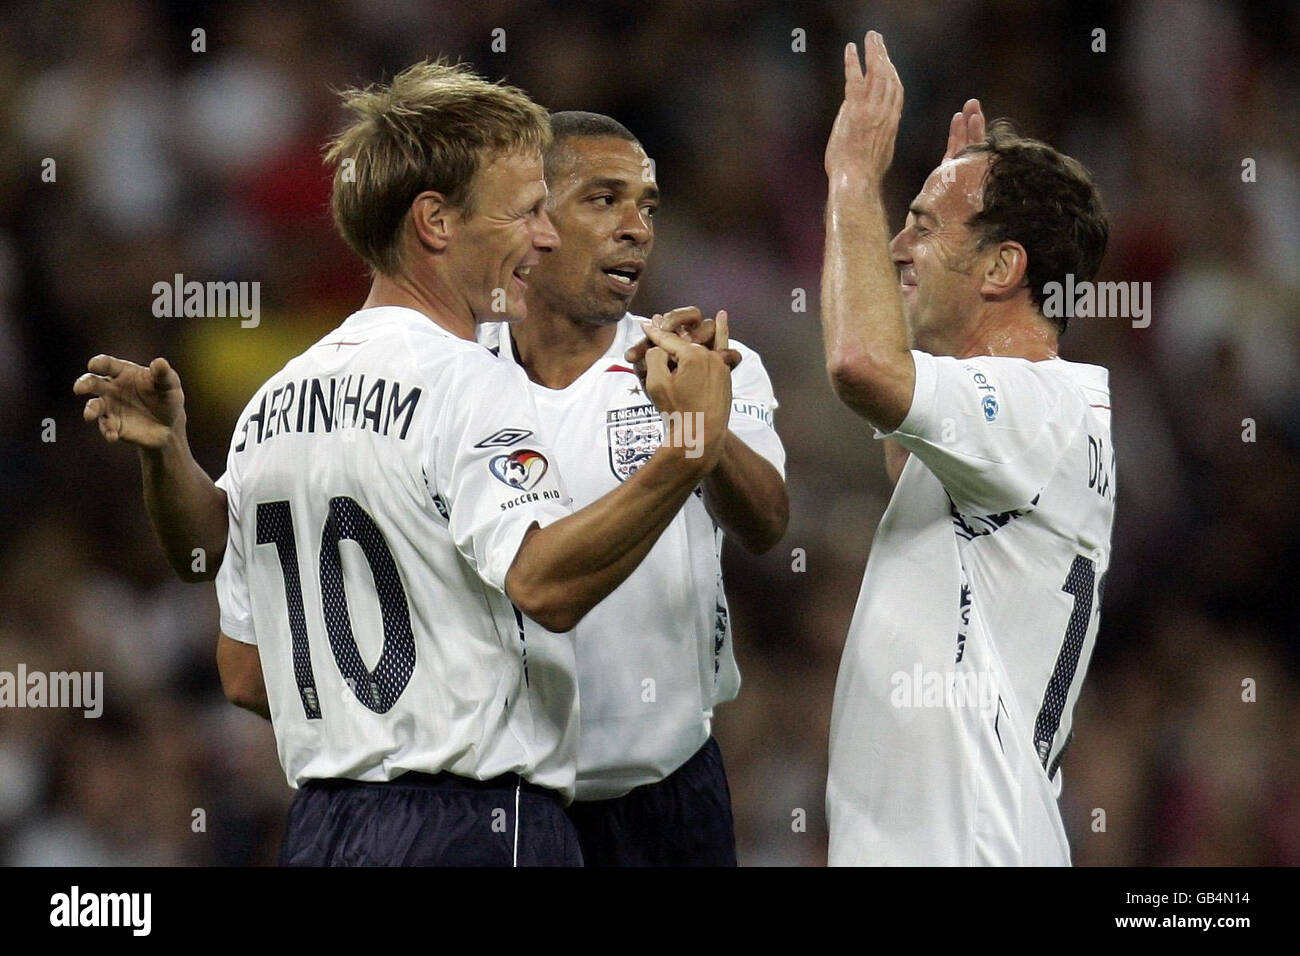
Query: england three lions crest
[[633, 435]]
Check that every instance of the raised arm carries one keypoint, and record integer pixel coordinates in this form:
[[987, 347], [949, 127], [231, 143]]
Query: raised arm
[[965, 129], [146, 408], [864, 334]]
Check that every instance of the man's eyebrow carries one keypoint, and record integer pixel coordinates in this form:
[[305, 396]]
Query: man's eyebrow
[[614, 184], [917, 210]]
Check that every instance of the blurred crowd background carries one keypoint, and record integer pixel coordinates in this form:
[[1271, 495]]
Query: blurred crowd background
[[207, 164]]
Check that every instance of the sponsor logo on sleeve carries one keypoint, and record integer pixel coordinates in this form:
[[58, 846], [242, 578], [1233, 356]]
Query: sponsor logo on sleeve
[[758, 410], [521, 469], [989, 402], [504, 438]]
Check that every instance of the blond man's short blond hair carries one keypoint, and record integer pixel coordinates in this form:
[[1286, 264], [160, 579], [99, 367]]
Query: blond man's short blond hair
[[432, 128]]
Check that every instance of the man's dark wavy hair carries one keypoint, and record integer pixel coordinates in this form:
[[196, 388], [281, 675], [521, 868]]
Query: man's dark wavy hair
[[1045, 201]]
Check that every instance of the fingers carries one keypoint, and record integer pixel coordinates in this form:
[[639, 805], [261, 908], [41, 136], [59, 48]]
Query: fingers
[[90, 385], [94, 408], [956, 136], [163, 375], [637, 352], [681, 318], [886, 90], [676, 347], [966, 128], [701, 334], [853, 74], [720, 339], [875, 81], [974, 114], [107, 365], [731, 357], [656, 363]]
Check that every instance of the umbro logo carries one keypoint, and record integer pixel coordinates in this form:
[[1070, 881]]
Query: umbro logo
[[504, 438]]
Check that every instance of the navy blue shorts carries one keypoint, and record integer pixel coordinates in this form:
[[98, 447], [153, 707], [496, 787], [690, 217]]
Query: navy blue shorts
[[683, 820], [424, 819]]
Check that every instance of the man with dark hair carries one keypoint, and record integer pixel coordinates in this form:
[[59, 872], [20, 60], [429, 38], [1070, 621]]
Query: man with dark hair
[[980, 603], [1043, 200], [656, 656]]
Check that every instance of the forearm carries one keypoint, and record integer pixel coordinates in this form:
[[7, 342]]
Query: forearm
[[747, 497], [255, 704], [863, 330], [563, 570], [240, 668], [186, 508]]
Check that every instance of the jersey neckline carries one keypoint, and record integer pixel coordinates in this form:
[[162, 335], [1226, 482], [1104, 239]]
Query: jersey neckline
[[402, 314], [506, 344]]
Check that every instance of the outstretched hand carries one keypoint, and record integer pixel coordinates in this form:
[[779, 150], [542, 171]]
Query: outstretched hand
[[143, 406], [862, 140]]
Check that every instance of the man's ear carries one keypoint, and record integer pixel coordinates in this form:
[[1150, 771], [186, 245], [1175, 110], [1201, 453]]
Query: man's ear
[[1006, 270], [433, 219]]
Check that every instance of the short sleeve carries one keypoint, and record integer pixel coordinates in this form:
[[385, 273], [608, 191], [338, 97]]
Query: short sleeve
[[753, 405], [992, 430], [232, 577], [492, 466]]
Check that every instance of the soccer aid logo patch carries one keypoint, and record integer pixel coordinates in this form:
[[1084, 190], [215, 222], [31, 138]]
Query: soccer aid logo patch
[[521, 469], [634, 434]]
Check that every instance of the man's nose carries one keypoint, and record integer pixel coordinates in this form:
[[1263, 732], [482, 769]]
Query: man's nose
[[635, 225], [545, 236], [898, 250]]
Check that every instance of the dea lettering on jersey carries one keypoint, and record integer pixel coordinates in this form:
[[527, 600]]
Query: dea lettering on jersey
[[633, 434]]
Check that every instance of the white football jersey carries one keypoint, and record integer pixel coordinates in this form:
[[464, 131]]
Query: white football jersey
[[655, 656], [379, 487], [976, 619]]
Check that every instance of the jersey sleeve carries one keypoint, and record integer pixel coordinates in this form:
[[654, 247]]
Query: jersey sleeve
[[232, 578], [492, 466], [753, 405], [993, 430]]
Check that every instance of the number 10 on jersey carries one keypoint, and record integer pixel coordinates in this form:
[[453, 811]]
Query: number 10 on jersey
[[376, 689]]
